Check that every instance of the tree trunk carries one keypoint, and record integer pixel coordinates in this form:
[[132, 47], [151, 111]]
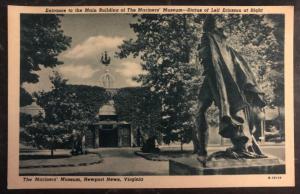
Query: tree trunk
[[279, 118], [181, 146], [52, 147], [195, 141], [195, 147]]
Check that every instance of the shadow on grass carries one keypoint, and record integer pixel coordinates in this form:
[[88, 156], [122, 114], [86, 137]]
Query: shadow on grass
[[37, 157]]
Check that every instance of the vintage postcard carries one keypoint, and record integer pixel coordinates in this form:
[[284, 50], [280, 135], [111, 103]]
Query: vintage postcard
[[150, 97]]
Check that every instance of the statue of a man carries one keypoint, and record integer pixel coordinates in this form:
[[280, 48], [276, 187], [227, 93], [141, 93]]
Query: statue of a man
[[231, 85]]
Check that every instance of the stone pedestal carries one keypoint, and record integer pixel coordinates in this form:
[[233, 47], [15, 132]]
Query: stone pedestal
[[191, 166]]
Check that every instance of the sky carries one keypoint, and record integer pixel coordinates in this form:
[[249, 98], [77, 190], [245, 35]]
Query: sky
[[91, 36]]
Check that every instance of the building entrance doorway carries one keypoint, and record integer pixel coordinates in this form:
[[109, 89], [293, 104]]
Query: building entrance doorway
[[108, 136]]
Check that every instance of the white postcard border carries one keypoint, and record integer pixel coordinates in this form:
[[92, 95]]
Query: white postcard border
[[208, 181]]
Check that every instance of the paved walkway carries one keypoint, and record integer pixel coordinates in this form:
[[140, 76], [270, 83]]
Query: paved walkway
[[116, 161]]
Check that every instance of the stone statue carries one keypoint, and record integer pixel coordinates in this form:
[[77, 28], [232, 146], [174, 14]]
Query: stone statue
[[231, 85], [107, 79]]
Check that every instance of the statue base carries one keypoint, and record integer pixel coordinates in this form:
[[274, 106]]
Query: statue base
[[191, 166]]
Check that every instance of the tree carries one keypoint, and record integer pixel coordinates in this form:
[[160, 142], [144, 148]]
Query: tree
[[25, 119], [42, 40], [139, 107], [40, 134], [260, 40], [54, 130], [277, 67], [68, 108], [167, 46]]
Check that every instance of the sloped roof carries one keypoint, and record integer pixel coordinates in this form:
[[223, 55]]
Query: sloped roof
[[107, 109]]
